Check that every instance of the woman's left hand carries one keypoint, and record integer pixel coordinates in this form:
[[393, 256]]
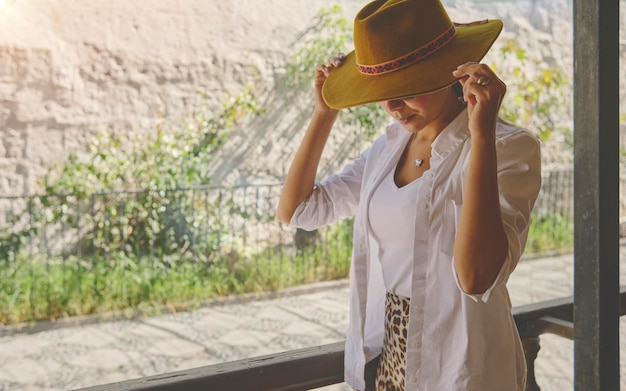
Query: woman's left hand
[[483, 91]]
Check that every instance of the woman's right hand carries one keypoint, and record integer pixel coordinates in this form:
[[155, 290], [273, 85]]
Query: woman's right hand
[[300, 179], [321, 74]]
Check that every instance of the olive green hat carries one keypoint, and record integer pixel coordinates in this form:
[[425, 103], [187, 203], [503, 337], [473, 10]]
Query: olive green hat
[[405, 48]]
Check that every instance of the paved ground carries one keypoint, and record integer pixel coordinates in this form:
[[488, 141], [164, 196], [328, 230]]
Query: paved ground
[[80, 356]]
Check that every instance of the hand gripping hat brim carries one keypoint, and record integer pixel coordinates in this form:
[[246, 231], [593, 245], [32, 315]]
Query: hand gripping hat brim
[[405, 48]]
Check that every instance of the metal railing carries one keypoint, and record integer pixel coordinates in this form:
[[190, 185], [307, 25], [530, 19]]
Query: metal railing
[[207, 221]]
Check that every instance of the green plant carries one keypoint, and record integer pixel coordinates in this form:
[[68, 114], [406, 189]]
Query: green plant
[[171, 157], [537, 93], [550, 232], [157, 218], [329, 35], [36, 287]]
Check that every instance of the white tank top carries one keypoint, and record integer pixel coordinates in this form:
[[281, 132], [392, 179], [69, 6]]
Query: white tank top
[[392, 218]]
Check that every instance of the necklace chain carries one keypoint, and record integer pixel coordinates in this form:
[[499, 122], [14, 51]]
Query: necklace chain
[[418, 162]]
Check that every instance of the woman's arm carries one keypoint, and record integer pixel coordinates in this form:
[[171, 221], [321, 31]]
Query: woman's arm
[[481, 244], [301, 175]]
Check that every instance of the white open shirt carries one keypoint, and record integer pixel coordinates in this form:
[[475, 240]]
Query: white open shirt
[[457, 342]]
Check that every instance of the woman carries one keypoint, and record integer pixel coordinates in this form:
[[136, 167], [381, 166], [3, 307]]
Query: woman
[[442, 202]]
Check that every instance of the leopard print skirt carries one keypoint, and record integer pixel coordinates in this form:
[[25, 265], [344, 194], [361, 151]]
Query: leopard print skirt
[[392, 365]]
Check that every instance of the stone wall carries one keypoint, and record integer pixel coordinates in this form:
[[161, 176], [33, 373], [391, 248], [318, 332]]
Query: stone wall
[[70, 68]]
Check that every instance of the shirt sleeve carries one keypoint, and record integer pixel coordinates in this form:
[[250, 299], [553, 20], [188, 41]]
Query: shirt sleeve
[[333, 198], [519, 182]]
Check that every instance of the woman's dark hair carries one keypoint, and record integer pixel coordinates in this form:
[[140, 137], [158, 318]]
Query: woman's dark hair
[[458, 91]]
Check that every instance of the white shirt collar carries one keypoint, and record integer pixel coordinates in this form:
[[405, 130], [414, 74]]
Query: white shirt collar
[[454, 134]]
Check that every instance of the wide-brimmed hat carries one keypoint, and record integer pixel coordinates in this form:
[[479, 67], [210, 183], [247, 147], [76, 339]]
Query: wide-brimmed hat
[[405, 48]]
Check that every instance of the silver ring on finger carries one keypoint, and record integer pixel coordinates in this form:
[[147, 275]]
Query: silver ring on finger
[[483, 81]]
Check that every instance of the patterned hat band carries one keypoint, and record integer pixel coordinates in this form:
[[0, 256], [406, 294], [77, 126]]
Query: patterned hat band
[[416, 55]]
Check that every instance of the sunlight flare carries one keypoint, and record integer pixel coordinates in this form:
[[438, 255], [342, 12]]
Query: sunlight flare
[[4, 4]]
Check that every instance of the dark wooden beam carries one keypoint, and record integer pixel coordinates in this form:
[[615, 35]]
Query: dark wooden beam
[[552, 325], [596, 195], [296, 370]]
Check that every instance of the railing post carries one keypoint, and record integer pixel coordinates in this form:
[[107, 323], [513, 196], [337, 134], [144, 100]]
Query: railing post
[[596, 195], [531, 349]]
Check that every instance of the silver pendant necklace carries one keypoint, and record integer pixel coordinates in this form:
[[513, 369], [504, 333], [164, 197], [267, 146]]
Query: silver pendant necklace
[[418, 162]]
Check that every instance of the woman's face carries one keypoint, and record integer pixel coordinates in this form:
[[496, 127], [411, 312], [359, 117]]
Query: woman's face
[[436, 109]]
